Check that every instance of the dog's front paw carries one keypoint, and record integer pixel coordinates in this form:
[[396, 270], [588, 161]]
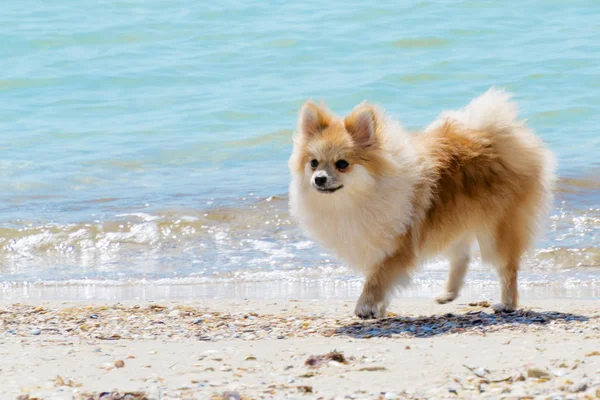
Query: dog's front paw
[[370, 309], [446, 297]]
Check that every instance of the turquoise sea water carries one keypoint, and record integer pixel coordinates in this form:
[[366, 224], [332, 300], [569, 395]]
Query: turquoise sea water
[[144, 144]]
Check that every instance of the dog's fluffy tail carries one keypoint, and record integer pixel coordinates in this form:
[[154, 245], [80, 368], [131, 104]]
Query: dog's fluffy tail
[[520, 149], [491, 112]]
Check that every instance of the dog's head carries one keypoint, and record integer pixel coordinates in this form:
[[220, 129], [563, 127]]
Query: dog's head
[[336, 155]]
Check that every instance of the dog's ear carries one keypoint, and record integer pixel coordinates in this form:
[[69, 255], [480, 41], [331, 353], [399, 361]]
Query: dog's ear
[[313, 118], [362, 124]]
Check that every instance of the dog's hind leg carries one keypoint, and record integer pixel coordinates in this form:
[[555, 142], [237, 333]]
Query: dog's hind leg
[[506, 247], [508, 273], [460, 255]]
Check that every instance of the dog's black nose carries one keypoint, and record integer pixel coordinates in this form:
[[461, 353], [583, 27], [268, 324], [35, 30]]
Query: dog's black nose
[[320, 180]]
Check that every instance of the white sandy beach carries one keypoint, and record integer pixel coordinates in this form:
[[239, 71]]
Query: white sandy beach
[[259, 349]]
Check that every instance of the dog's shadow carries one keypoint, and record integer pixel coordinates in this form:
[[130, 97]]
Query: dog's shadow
[[427, 326]]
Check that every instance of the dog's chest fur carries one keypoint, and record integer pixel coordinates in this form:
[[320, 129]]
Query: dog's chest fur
[[363, 234]]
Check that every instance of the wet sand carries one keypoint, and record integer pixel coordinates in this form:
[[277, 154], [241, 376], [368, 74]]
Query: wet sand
[[283, 349]]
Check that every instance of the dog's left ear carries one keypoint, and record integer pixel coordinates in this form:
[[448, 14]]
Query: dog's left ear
[[362, 124]]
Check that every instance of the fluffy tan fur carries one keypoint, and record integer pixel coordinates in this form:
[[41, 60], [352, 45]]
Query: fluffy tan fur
[[473, 174]]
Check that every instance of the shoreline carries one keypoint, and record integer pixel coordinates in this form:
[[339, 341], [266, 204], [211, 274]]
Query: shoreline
[[533, 285], [263, 349]]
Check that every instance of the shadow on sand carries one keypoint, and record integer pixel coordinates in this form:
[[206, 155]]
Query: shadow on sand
[[474, 321]]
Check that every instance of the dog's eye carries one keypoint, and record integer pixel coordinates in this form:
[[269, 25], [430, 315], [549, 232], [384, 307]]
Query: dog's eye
[[341, 164], [314, 163]]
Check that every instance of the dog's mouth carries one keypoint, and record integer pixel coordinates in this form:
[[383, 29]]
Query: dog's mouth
[[330, 190]]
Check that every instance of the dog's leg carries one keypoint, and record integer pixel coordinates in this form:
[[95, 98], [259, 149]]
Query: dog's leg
[[386, 276], [508, 279], [511, 240], [460, 255], [375, 297]]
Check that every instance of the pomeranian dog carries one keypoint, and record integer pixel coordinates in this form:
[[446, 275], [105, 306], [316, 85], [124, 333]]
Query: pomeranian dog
[[385, 200]]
